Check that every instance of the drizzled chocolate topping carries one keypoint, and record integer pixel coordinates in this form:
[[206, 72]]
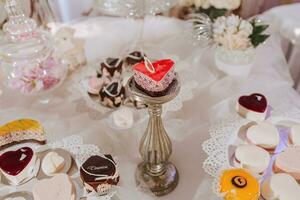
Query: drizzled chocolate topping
[[135, 57], [113, 94], [111, 65]]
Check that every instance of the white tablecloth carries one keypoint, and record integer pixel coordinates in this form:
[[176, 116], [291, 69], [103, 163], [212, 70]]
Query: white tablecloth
[[188, 128]]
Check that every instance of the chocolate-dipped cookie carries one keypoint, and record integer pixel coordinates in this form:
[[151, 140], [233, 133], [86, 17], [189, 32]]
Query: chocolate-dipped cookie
[[111, 67], [113, 94], [99, 174], [134, 58]]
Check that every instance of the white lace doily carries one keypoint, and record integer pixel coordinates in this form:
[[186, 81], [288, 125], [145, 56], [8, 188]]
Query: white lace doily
[[222, 133]]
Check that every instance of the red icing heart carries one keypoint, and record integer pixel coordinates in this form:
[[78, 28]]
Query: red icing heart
[[161, 67], [13, 162], [255, 102]]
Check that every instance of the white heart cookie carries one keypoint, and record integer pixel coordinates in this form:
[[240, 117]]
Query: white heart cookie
[[295, 135], [59, 187], [264, 135], [281, 187], [52, 163], [252, 158]]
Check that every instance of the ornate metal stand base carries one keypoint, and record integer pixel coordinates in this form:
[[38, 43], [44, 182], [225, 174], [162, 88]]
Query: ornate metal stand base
[[156, 173], [160, 184]]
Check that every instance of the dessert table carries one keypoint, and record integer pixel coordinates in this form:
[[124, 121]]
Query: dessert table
[[213, 99]]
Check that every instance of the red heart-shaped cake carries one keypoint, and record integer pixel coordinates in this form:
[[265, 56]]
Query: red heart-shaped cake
[[255, 102], [154, 78], [14, 162]]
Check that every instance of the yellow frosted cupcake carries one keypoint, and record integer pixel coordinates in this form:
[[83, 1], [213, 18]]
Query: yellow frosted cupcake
[[238, 184]]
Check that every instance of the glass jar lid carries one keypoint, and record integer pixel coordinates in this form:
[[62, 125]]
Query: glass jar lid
[[23, 40]]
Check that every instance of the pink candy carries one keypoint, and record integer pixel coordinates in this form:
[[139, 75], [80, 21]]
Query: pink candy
[[42, 77]]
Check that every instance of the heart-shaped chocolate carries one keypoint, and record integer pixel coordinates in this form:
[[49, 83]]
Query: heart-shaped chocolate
[[255, 102], [14, 162], [157, 71]]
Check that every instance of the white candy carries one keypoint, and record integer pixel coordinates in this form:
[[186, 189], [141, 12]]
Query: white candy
[[123, 118], [281, 187], [252, 158], [52, 163], [295, 135], [264, 135]]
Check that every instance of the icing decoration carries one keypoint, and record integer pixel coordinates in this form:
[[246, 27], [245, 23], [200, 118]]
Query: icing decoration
[[155, 77], [239, 181], [161, 67], [14, 162], [113, 89], [22, 130], [255, 102]]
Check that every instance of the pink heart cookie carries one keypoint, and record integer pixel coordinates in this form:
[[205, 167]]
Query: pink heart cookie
[[60, 187]]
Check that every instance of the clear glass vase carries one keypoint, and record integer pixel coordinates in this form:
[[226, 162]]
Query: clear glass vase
[[27, 60]]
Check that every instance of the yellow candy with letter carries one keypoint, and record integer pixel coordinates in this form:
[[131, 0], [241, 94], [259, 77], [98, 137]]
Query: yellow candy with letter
[[238, 184]]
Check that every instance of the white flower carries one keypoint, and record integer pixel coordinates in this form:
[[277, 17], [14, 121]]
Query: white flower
[[232, 32], [232, 23], [246, 27], [219, 25]]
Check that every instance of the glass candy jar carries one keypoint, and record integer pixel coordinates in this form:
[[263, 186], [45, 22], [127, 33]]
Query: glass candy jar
[[27, 60]]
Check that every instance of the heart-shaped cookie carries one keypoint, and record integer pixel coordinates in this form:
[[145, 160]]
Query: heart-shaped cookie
[[281, 186], [52, 163], [255, 102], [21, 131], [264, 135], [60, 187], [288, 162], [14, 162]]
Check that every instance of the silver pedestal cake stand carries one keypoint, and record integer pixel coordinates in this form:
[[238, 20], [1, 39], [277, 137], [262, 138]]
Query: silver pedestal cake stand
[[155, 172]]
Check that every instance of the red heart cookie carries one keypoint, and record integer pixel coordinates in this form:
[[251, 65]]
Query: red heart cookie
[[255, 102], [159, 70], [14, 162]]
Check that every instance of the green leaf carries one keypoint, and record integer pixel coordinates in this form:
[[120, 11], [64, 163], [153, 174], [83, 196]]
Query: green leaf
[[213, 12], [259, 29], [258, 39]]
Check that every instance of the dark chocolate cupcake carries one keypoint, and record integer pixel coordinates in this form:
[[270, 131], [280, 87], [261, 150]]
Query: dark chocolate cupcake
[[134, 58], [111, 67], [99, 174], [113, 94]]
